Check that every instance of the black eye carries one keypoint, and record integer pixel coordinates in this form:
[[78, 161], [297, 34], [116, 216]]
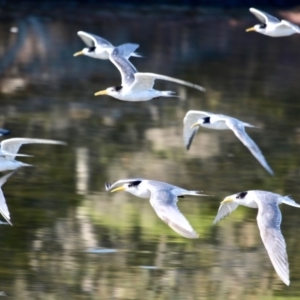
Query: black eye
[[262, 26], [241, 195], [92, 49], [206, 120], [134, 183], [117, 88]]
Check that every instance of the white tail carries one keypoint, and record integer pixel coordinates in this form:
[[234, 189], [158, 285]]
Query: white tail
[[196, 193], [168, 94], [289, 201], [24, 165]]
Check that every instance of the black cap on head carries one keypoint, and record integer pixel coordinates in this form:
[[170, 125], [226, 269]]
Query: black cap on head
[[241, 195]]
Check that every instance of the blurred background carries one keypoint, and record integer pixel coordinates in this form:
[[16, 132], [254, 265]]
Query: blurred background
[[73, 240]]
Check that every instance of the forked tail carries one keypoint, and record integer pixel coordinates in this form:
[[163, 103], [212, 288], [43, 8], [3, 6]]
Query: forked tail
[[25, 165], [196, 193], [167, 94], [289, 201]]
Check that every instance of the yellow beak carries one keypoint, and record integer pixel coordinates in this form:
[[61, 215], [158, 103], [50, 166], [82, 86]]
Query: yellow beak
[[104, 92], [227, 200], [250, 29], [119, 189], [78, 53], [194, 125]]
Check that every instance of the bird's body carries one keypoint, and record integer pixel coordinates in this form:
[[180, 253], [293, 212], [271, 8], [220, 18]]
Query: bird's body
[[194, 119], [98, 47], [271, 26], [137, 86], [163, 198], [268, 221], [9, 150]]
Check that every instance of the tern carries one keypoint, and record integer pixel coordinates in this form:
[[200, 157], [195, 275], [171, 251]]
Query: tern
[[138, 86], [163, 198], [194, 119], [271, 26], [10, 147], [97, 47], [268, 221]]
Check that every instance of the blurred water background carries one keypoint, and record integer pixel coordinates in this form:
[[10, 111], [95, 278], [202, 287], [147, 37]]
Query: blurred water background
[[73, 240]]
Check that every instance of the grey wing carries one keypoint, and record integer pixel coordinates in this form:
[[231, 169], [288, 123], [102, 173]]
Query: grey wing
[[142, 82], [125, 67], [268, 221], [3, 206], [152, 76], [128, 49], [239, 130], [92, 40], [290, 25], [109, 186], [190, 119], [164, 204], [224, 210], [263, 17], [12, 146]]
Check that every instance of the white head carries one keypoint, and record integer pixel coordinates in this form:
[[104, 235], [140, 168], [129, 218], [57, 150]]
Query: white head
[[134, 187], [258, 28], [111, 91], [206, 120], [88, 51], [246, 198]]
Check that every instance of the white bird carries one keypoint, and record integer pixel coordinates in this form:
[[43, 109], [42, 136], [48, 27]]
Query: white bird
[[138, 86], [10, 147], [268, 221], [3, 207], [97, 47], [194, 119], [163, 198], [271, 26]]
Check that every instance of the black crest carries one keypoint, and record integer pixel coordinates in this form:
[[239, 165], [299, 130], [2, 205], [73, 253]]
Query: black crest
[[134, 183], [92, 49], [262, 26], [206, 120], [241, 195], [118, 88]]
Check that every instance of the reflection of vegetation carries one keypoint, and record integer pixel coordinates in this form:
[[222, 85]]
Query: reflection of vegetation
[[43, 253]]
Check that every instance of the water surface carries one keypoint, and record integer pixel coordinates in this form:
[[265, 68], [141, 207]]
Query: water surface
[[73, 240]]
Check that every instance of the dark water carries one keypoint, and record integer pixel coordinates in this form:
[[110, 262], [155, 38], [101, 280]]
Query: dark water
[[73, 240]]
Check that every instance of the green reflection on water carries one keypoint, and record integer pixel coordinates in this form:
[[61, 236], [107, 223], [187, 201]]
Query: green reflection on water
[[60, 209]]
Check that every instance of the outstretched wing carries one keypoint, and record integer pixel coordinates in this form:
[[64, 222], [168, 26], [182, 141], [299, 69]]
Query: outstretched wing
[[12, 146], [239, 130], [3, 206], [290, 25], [224, 210], [125, 67], [164, 204], [268, 221], [128, 49], [263, 17], [144, 81], [190, 119], [92, 40]]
